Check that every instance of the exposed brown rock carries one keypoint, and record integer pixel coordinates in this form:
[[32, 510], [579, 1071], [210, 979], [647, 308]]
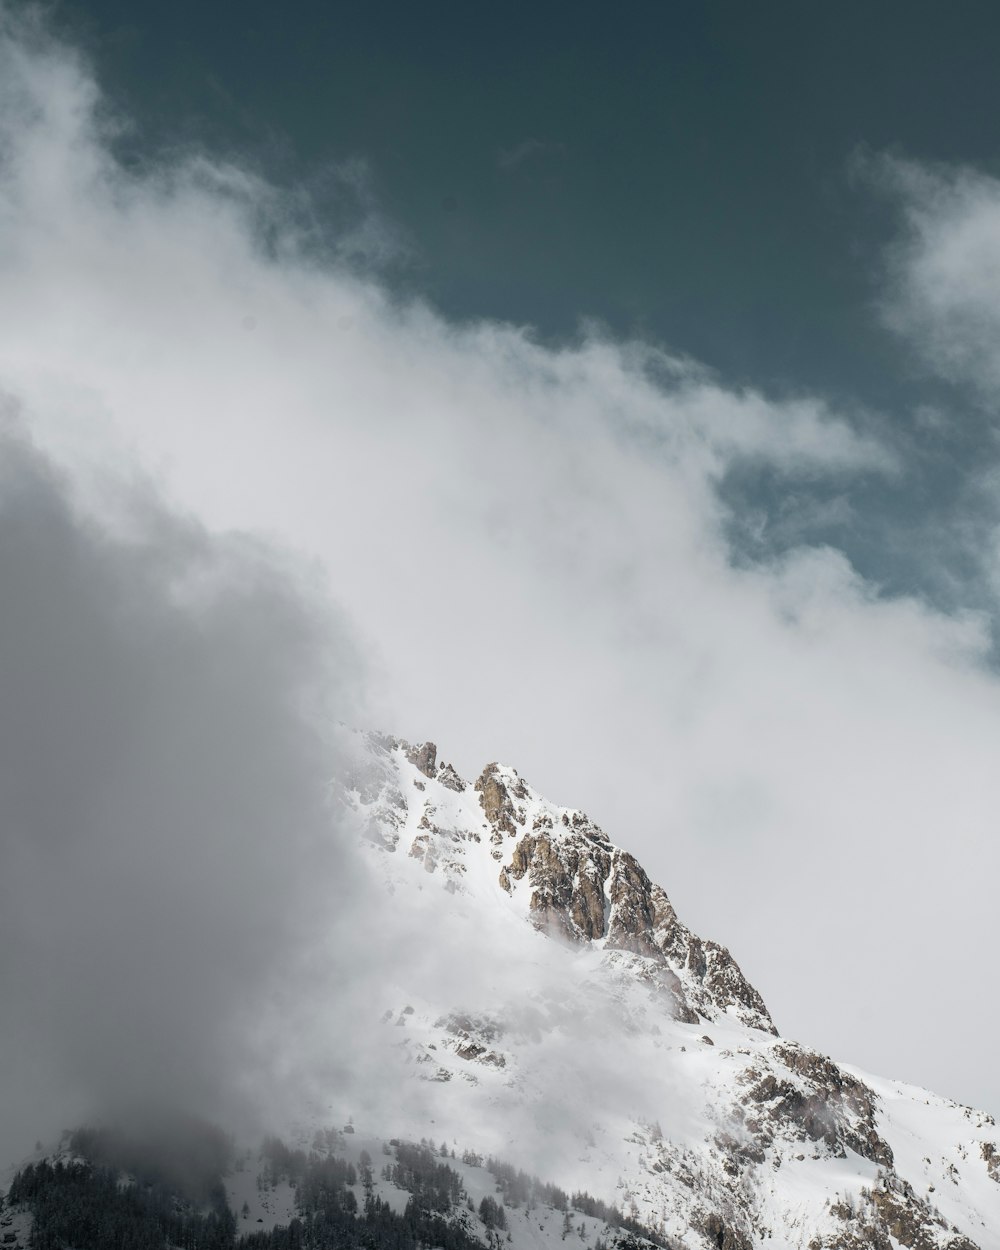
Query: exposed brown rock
[[450, 779], [497, 802], [423, 756], [723, 1235], [631, 922], [583, 889], [587, 905], [910, 1220], [567, 884], [825, 1104]]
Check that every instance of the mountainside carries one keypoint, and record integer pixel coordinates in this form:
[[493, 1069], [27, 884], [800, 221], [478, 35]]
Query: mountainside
[[328, 1189], [547, 1016], [655, 1072]]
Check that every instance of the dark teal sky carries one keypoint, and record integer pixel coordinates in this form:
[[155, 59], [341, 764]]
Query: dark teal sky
[[678, 170]]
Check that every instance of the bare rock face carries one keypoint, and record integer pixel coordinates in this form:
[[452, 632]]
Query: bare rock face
[[423, 757], [908, 1219], [889, 1215], [566, 866], [584, 889], [721, 1235], [630, 924], [450, 779], [567, 884], [497, 801], [805, 1095]]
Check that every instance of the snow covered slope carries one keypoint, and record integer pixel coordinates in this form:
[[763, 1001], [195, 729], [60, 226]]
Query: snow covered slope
[[513, 985], [485, 1203], [586, 1034]]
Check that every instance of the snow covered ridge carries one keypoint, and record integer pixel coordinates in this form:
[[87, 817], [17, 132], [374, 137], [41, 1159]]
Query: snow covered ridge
[[559, 867], [646, 1070]]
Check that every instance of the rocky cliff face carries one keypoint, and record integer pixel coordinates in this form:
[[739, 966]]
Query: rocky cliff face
[[578, 887], [584, 889], [744, 1139]]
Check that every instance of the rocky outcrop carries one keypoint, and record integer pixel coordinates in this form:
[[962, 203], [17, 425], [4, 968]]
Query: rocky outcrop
[[423, 757], [889, 1215], [450, 779], [567, 884], [497, 798], [584, 889], [804, 1095], [472, 1038], [720, 1234]]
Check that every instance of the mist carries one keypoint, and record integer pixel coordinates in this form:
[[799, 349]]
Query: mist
[[170, 858], [190, 932]]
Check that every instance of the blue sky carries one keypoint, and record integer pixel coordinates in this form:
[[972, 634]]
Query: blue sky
[[628, 383]]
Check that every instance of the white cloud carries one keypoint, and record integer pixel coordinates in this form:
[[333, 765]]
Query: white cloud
[[943, 299], [532, 541], [945, 270]]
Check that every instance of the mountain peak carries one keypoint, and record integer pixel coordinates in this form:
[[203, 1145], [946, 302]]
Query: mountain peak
[[573, 883], [629, 1021]]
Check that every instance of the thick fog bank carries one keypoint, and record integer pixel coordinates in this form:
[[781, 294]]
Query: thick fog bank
[[170, 858]]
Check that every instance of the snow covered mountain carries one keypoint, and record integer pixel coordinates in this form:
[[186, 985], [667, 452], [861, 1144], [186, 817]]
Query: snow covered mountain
[[554, 1057], [633, 1059]]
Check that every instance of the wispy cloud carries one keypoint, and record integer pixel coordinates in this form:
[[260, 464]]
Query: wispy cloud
[[528, 150], [944, 271], [942, 299]]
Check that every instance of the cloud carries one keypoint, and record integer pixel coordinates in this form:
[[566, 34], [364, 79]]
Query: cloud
[[167, 847], [534, 544], [944, 272], [941, 300], [527, 150]]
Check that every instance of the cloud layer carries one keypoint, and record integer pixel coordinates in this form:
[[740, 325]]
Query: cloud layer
[[941, 299], [533, 543], [169, 858], [945, 268]]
